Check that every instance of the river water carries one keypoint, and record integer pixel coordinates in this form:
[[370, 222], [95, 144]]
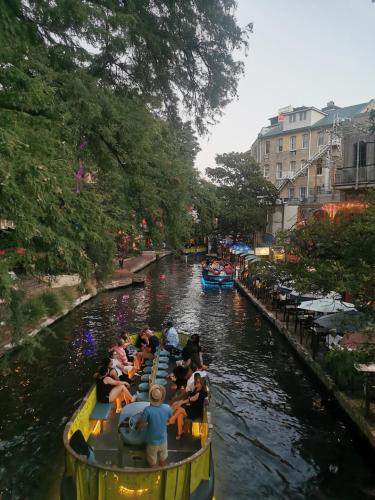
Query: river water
[[275, 436]]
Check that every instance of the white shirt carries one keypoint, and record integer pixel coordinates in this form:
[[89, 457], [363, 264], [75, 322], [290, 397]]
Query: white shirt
[[190, 382], [172, 337], [333, 341]]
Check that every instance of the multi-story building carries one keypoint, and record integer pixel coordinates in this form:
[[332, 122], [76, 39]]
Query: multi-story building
[[300, 152]]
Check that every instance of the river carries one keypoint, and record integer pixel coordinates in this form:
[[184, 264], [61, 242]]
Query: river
[[275, 435]]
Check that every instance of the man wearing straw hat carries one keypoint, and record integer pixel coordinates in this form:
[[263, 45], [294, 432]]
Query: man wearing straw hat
[[156, 416]]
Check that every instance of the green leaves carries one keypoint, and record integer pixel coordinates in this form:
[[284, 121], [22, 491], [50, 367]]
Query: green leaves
[[337, 255], [245, 196]]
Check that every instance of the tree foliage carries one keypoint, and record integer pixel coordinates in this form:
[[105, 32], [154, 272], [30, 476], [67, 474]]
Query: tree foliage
[[245, 196], [103, 82], [177, 52], [337, 255]]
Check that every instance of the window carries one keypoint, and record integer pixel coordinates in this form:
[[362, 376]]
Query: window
[[266, 171], [303, 115], [291, 193], [290, 118], [305, 141], [280, 145], [293, 143], [294, 117], [279, 170], [292, 166], [267, 147], [362, 160], [320, 138], [302, 192], [319, 167]]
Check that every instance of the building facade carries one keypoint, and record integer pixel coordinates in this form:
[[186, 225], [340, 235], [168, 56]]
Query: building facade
[[305, 153]]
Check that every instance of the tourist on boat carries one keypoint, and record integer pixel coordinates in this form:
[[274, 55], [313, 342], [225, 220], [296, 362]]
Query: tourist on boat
[[191, 407], [120, 351], [170, 338], [150, 343], [156, 416], [127, 343], [115, 373], [199, 369], [109, 390]]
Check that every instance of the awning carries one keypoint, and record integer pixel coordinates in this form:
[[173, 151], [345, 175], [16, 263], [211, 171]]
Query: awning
[[252, 258]]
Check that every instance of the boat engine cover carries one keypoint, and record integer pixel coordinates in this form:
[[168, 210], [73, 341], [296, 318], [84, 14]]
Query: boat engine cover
[[129, 417]]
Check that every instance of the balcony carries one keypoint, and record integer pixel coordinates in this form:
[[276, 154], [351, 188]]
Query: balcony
[[346, 177]]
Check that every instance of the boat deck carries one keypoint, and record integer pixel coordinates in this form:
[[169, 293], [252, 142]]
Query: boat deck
[[110, 449]]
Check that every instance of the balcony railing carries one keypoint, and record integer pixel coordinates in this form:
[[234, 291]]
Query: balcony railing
[[348, 176], [288, 175]]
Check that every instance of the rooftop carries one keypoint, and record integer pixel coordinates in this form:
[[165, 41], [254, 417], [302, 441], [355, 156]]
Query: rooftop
[[332, 113]]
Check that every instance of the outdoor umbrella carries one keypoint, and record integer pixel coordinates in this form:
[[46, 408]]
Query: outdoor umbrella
[[313, 296], [349, 321], [284, 289], [326, 305]]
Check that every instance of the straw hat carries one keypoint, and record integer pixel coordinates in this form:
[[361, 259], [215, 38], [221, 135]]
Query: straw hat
[[157, 395]]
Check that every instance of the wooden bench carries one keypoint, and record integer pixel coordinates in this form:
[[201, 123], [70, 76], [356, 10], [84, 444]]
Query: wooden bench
[[101, 413]]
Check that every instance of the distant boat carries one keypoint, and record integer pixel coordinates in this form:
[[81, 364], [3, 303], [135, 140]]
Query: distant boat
[[217, 275], [195, 250]]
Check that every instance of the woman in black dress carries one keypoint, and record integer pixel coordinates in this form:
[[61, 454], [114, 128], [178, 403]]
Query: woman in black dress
[[109, 390], [192, 407]]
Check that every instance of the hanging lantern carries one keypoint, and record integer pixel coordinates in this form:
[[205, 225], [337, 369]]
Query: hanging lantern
[[20, 250], [2, 253]]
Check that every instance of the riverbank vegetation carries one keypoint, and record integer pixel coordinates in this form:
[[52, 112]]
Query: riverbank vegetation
[[93, 139], [337, 255]]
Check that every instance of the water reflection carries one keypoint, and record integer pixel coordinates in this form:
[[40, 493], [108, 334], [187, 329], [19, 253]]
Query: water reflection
[[274, 436]]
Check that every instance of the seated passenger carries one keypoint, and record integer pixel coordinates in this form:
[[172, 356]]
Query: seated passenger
[[191, 407], [191, 380], [170, 338], [333, 339], [150, 343], [123, 357], [109, 390]]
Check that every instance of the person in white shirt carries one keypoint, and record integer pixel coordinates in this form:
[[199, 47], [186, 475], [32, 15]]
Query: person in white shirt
[[190, 382], [333, 339], [171, 339]]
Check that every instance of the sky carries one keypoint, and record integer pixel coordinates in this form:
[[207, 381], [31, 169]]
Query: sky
[[302, 52]]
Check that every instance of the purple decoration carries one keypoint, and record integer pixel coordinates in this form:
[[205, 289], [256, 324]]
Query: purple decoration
[[79, 175]]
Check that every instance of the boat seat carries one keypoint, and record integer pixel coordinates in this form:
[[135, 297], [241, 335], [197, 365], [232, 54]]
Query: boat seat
[[101, 413], [145, 377], [144, 386], [161, 381], [142, 396], [147, 370]]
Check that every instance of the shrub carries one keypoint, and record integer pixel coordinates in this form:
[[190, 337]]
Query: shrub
[[34, 309], [53, 303], [67, 295]]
